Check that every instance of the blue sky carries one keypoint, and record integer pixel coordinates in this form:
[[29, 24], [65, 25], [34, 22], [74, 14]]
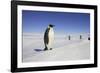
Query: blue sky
[[65, 22]]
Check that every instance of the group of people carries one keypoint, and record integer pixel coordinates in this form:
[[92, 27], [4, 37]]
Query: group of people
[[69, 37]]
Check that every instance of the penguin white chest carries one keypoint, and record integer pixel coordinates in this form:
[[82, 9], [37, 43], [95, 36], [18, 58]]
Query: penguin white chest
[[51, 34], [51, 37]]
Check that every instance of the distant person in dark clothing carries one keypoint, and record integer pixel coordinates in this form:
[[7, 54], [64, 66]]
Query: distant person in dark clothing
[[69, 37], [80, 36], [88, 38]]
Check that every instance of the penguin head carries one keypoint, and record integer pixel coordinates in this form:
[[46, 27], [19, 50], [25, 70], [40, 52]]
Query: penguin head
[[51, 25]]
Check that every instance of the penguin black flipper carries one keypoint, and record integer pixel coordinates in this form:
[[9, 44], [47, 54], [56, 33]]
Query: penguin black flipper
[[46, 38]]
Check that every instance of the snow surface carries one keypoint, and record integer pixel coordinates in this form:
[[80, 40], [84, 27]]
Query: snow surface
[[63, 49]]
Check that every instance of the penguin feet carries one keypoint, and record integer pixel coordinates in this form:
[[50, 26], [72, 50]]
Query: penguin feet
[[50, 48], [45, 49]]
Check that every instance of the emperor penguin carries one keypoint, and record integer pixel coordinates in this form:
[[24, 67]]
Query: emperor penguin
[[49, 37]]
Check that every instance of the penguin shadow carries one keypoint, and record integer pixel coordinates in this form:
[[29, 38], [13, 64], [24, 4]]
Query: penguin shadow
[[38, 50]]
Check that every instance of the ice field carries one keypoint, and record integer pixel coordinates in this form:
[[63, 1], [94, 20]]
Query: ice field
[[63, 49]]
